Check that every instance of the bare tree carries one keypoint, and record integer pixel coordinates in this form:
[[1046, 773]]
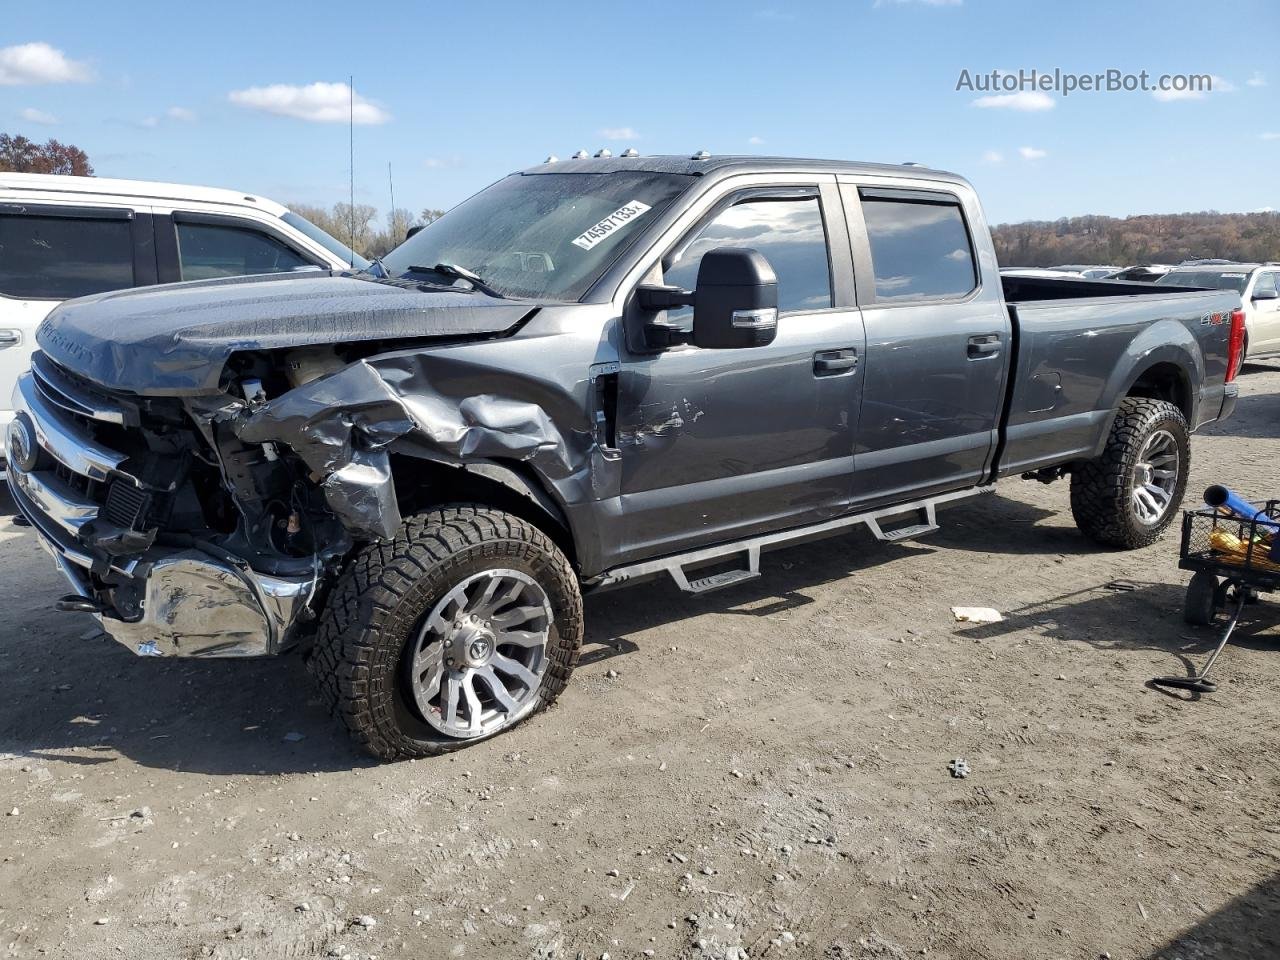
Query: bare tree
[[367, 240]]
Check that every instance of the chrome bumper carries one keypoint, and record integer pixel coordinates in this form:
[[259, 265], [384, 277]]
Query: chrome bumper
[[192, 604]]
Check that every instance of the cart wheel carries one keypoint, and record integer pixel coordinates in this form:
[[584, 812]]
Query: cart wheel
[[1201, 605]]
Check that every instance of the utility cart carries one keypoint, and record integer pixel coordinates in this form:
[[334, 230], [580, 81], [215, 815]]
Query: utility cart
[[1230, 556]]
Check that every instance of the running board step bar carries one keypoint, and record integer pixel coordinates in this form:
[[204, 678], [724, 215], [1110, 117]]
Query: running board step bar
[[677, 567], [926, 515], [906, 533], [717, 581]]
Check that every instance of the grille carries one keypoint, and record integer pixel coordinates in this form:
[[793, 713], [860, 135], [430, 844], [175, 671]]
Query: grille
[[126, 505]]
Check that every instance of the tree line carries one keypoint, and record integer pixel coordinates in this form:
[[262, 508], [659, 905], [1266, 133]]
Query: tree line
[[1151, 238], [361, 228]]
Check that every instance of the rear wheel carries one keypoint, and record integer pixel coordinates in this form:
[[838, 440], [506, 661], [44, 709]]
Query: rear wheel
[[468, 622], [1128, 496]]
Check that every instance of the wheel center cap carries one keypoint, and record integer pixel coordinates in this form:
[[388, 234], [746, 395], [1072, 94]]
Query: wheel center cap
[[479, 649], [474, 642], [1144, 473]]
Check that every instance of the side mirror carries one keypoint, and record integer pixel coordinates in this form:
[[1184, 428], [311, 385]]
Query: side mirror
[[1266, 295], [736, 300], [735, 303]]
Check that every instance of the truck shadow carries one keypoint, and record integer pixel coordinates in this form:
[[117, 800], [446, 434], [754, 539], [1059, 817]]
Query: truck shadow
[[1124, 615], [69, 694], [1248, 927], [1256, 416], [986, 524]]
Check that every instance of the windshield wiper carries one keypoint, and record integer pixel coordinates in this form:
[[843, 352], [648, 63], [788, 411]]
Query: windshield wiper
[[462, 273]]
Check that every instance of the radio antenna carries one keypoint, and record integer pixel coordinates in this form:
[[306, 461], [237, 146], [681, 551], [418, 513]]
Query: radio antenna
[[391, 188], [351, 148]]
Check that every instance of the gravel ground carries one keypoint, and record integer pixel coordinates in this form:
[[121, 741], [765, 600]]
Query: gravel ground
[[759, 773]]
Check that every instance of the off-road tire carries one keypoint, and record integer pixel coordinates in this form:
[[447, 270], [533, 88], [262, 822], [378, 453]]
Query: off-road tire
[[376, 606], [1102, 489]]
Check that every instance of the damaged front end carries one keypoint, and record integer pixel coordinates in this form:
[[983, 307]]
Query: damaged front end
[[210, 525], [130, 500]]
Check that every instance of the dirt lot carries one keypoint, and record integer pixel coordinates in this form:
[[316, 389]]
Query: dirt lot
[[764, 776]]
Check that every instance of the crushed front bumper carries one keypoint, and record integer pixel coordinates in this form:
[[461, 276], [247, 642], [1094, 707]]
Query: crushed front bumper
[[182, 601]]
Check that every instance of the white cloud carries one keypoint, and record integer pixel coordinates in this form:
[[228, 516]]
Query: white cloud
[[992, 156], [1257, 80], [39, 63], [1269, 136], [1217, 84], [317, 102], [1169, 96], [1032, 153], [1023, 100], [442, 163], [756, 141], [150, 123], [1264, 210], [620, 133], [181, 113], [32, 115]]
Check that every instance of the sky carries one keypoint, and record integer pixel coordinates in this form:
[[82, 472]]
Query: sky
[[452, 96]]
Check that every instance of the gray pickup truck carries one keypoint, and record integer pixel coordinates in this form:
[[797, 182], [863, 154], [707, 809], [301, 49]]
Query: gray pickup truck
[[593, 371]]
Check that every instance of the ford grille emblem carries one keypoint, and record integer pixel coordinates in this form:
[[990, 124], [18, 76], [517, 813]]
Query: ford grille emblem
[[21, 447]]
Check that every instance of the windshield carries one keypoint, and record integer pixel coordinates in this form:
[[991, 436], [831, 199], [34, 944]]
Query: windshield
[[542, 236], [330, 243], [1208, 279]]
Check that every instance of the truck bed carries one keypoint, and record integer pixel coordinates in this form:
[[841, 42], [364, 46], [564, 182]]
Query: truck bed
[[1082, 345], [1027, 289]]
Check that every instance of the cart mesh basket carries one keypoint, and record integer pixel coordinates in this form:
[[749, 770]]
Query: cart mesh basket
[[1231, 547]]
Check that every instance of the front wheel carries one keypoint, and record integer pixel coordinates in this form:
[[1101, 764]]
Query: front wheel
[[1128, 496], [466, 623]]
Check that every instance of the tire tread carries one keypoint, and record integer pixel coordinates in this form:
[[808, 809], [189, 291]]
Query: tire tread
[[367, 596], [1100, 487]]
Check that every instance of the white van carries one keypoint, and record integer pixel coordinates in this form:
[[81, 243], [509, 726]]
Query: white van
[[64, 237]]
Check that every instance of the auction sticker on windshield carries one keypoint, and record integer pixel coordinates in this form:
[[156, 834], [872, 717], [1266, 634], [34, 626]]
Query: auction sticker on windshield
[[614, 221]]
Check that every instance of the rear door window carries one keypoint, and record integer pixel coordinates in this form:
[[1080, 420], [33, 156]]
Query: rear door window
[[207, 251], [920, 249], [1266, 284], [57, 258]]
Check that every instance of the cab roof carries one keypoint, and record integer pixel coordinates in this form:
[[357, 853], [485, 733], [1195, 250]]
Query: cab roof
[[136, 190], [692, 166]]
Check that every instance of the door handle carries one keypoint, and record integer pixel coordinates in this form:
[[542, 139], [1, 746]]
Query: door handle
[[828, 362], [10, 338], [984, 345]]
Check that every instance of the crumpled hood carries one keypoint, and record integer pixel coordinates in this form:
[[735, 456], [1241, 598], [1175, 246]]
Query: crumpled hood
[[175, 340]]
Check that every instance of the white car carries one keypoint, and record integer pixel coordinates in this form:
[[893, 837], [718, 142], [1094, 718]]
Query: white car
[[1259, 287], [65, 237]]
